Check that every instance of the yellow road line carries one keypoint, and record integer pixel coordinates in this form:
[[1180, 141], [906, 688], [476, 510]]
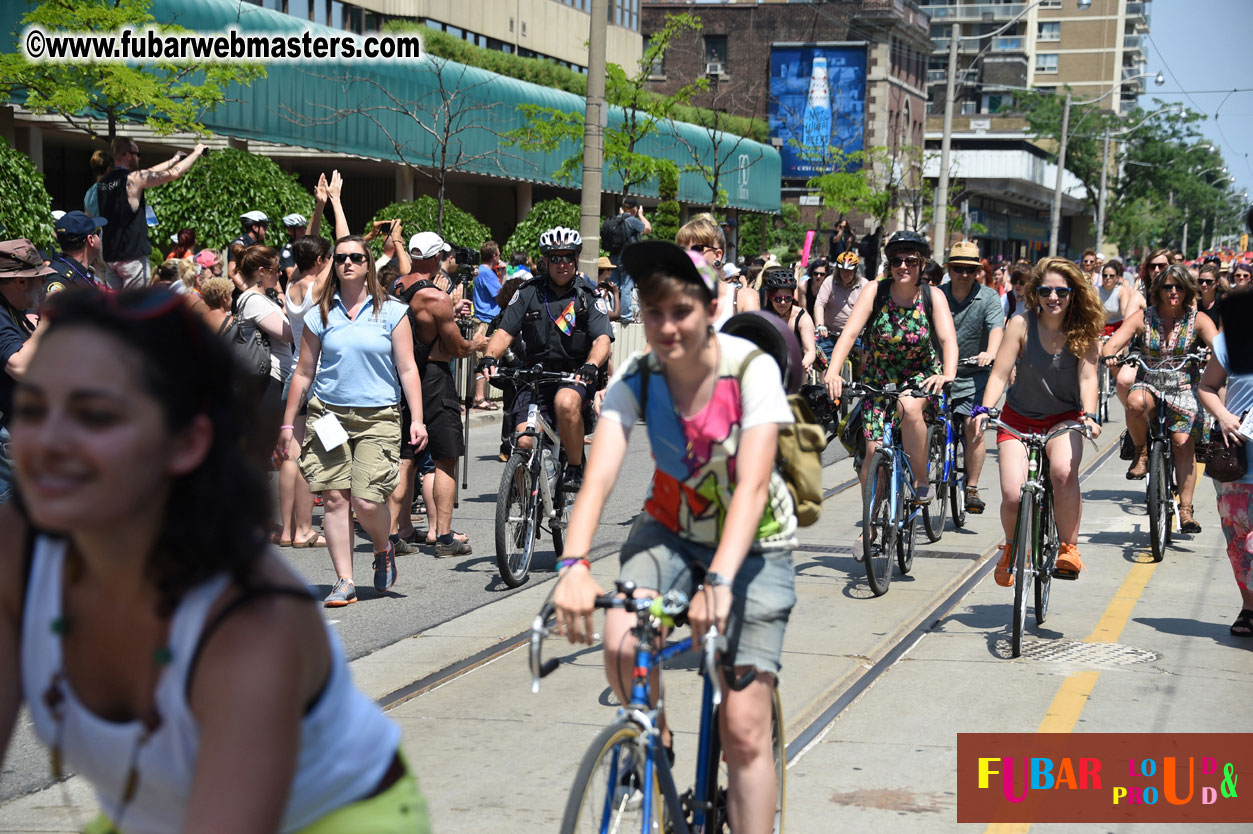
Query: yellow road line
[[1072, 696]]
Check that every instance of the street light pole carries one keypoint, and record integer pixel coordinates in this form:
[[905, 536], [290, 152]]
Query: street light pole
[[593, 138], [940, 240], [1100, 203], [1055, 225]]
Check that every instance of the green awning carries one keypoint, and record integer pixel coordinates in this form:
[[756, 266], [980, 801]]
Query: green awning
[[349, 108]]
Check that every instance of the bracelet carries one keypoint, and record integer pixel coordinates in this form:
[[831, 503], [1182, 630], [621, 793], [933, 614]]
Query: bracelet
[[565, 563], [979, 409], [280, 428]]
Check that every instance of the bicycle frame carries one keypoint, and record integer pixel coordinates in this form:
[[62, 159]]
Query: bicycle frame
[[902, 477], [538, 429]]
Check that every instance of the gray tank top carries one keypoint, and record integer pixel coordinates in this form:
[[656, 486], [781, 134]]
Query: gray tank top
[[1112, 302], [1046, 384]]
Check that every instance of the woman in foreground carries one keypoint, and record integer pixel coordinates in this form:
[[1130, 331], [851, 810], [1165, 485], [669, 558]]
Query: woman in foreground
[[165, 653]]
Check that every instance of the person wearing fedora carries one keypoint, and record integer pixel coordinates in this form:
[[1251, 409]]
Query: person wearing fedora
[[979, 319], [120, 197], [78, 235], [22, 276]]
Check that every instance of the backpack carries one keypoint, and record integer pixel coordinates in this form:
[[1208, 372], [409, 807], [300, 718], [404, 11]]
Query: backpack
[[884, 291], [251, 348], [801, 443], [613, 234]]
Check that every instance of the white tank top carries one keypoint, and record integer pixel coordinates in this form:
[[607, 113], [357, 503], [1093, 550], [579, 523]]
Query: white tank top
[[296, 317], [1112, 302], [329, 774]]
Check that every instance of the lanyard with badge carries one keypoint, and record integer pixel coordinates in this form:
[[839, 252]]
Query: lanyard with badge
[[79, 271]]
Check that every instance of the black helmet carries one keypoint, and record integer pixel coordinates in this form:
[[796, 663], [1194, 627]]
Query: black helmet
[[905, 239], [772, 335], [779, 278]]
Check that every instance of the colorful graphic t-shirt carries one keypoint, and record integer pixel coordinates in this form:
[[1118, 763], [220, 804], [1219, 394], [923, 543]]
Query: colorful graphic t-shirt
[[695, 456]]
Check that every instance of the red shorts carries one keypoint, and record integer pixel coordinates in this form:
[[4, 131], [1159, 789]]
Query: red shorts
[[1029, 426], [1111, 327]]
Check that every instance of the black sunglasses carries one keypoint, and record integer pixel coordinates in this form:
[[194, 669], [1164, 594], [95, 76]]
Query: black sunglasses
[[1207, 282], [781, 299], [910, 262], [698, 248], [356, 257], [962, 270], [562, 259], [1061, 292], [1155, 266], [1171, 287]]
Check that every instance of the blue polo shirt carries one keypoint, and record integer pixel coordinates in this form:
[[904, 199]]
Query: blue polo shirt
[[357, 367], [486, 287]]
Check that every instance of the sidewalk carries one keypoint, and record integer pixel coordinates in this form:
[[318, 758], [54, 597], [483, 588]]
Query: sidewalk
[[486, 749]]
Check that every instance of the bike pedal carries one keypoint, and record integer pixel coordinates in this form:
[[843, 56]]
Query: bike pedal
[[1066, 575]]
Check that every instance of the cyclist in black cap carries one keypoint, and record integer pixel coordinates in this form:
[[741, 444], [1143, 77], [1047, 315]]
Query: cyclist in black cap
[[563, 327], [911, 342], [78, 235]]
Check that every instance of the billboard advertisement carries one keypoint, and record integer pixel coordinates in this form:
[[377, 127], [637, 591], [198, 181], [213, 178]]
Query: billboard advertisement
[[817, 105]]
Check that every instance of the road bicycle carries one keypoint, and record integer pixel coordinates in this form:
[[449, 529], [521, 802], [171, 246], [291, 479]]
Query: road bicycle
[[1161, 487], [946, 464], [890, 505], [1035, 543], [530, 498], [625, 782], [1104, 390]]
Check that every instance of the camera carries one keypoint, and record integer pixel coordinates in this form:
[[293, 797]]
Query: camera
[[385, 229], [467, 262]]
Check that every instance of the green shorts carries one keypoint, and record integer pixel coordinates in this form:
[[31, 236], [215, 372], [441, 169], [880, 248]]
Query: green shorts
[[368, 465]]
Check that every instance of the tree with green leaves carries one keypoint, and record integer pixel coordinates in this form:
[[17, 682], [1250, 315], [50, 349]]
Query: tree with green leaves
[[167, 98], [460, 227], [643, 112], [220, 187], [28, 212], [726, 154], [666, 216], [542, 217]]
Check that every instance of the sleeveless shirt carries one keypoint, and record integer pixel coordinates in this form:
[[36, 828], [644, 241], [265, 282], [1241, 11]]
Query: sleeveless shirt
[[329, 774], [1112, 302], [1046, 384], [126, 236]]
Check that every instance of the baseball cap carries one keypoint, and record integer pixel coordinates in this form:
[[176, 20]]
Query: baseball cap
[[78, 224], [295, 220], [964, 252], [207, 258], [730, 270], [254, 217], [20, 259], [427, 245], [643, 256]]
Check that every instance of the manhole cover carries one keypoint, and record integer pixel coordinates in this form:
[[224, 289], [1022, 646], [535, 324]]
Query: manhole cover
[[1085, 654]]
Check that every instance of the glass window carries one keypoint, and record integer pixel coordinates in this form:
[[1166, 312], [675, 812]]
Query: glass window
[[1045, 62], [371, 22], [337, 14], [319, 11], [716, 49], [659, 61], [298, 8], [354, 19], [1051, 31]]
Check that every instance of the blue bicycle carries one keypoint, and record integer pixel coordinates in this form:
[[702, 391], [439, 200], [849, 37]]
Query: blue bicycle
[[890, 504], [625, 782]]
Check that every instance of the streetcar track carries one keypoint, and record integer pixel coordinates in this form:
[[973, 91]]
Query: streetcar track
[[813, 732]]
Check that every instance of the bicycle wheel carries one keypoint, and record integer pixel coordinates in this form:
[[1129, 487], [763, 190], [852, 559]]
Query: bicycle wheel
[[933, 510], [717, 791], [1048, 558], [607, 794], [516, 512], [905, 545], [1158, 500], [957, 484], [878, 526], [1024, 544]]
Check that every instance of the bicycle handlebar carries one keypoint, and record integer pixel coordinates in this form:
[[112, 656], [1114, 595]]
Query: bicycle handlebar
[[668, 609], [1169, 364], [862, 389], [536, 375], [1034, 438]]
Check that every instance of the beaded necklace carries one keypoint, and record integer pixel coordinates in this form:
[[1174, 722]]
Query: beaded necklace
[[54, 698]]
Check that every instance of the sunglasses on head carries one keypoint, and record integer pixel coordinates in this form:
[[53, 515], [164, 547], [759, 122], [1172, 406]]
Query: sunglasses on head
[[1061, 292], [561, 259], [356, 257], [911, 261]]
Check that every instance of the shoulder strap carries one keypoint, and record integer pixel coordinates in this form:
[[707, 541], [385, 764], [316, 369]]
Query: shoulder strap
[[644, 373], [248, 595], [881, 294], [748, 360]]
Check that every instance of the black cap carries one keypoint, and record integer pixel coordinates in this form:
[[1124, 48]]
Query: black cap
[[78, 224], [644, 255]]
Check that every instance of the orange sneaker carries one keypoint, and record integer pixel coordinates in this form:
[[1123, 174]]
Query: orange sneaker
[[1069, 565], [1003, 577]]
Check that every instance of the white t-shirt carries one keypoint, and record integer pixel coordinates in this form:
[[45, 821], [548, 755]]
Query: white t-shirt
[[255, 307], [695, 457]]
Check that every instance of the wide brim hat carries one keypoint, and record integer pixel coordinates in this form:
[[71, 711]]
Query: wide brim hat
[[964, 253], [645, 256], [20, 259]]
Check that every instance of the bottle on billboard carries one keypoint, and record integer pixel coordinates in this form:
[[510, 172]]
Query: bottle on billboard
[[816, 129]]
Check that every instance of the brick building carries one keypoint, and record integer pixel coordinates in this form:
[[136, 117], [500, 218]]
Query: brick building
[[737, 41]]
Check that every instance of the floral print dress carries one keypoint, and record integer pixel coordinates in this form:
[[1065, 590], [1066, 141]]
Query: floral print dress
[[1178, 387], [901, 352]]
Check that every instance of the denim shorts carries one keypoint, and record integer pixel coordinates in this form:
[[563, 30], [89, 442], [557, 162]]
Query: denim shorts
[[764, 589]]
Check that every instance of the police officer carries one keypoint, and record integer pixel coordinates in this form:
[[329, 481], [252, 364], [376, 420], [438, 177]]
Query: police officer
[[78, 234], [254, 225], [564, 327], [294, 225]]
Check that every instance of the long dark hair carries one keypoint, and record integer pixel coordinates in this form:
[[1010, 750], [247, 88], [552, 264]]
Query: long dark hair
[[217, 514]]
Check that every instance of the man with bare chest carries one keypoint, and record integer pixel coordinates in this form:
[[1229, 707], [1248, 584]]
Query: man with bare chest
[[437, 340]]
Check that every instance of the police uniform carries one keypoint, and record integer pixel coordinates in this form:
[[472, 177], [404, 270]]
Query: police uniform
[[70, 275], [556, 329]]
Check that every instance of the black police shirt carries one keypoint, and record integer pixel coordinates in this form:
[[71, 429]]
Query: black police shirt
[[70, 274], [533, 314]]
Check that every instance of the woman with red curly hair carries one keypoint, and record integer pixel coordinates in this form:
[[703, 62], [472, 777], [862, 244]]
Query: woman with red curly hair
[[1055, 346]]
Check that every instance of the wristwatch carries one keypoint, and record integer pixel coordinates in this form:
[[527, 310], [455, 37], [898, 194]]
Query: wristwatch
[[713, 578]]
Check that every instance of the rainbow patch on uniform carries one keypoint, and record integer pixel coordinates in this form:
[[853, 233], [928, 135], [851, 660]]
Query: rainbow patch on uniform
[[565, 321]]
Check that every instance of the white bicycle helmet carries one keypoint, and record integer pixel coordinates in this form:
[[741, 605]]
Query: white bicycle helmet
[[560, 239]]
